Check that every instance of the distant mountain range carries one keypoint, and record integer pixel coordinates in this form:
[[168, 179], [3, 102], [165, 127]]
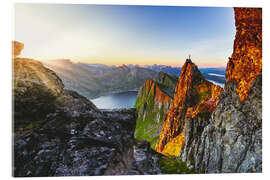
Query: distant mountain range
[[94, 80], [215, 75]]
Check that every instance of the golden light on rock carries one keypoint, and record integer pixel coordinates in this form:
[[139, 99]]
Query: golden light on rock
[[193, 94], [246, 61]]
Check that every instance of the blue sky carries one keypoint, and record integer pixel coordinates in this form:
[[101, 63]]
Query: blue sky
[[111, 34]]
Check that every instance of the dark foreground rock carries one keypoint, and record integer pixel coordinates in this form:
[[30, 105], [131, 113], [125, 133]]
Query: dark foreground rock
[[60, 133]]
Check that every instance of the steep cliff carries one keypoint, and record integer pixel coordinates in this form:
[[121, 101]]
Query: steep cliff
[[232, 141], [153, 101], [58, 132], [246, 61], [193, 95]]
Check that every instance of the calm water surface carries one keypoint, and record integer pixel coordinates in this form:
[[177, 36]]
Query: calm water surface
[[116, 100]]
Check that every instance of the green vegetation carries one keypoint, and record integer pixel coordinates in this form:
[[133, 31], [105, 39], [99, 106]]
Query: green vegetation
[[151, 115], [148, 125], [31, 125], [174, 165]]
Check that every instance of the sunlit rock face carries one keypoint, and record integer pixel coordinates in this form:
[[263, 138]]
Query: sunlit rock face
[[152, 104], [231, 140], [193, 94], [17, 47], [246, 61]]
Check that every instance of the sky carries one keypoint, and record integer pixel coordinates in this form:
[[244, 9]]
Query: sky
[[116, 35]]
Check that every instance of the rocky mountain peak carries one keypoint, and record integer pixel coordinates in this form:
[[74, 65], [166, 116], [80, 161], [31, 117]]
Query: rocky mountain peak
[[246, 61], [230, 138], [193, 94]]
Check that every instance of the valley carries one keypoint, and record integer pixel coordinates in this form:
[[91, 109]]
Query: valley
[[77, 119]]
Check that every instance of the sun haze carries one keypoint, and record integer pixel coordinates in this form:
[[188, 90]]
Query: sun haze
[[115, 34]]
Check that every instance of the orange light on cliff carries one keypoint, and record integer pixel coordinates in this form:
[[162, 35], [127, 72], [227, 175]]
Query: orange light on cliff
[[246, 61], [160, 96], [192, 95]]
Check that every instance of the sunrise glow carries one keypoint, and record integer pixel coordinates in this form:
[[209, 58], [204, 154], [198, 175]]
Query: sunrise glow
[[116, 35]]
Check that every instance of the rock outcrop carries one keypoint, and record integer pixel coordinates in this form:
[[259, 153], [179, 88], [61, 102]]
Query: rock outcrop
[[153, 101], [17, 47], [193, 95], [232, 141], [246, 61], [58, 132]]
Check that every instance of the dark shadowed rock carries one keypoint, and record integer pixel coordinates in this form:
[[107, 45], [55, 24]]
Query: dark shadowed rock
[[58, 132]]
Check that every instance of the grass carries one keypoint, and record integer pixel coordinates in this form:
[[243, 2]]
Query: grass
[[147, 126]]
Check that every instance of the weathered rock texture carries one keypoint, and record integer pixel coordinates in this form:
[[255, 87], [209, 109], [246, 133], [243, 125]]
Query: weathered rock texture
[[152, 103], [60, 133], [246, 61], [193, 95], [232, 141]]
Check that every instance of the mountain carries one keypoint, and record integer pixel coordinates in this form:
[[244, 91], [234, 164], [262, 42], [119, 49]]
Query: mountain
[[216, 75], [96, 80], [58, 132], [153, 101], [175, 71], [232, 141], [214, 130], [193, 95]]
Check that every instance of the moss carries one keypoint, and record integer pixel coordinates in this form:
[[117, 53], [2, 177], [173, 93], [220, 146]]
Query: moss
[[191, 159], [148, 112], [202, 170], [31, 125], [174, 165]]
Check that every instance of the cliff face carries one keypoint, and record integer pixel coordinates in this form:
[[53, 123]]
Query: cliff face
[[58, 132], [232, 141], [152, 104], [193, 95], [246, 61]]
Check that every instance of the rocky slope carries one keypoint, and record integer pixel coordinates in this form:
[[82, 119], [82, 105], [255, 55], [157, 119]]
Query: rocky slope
[[93, 81], [153, 101], [58, 132], [232, 141]]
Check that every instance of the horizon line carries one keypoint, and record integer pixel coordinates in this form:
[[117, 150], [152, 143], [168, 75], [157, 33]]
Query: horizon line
[[122, 64]]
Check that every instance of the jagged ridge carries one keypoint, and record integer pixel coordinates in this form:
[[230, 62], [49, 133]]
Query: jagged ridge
[[231, 140], [192, 91], [152, 104]]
